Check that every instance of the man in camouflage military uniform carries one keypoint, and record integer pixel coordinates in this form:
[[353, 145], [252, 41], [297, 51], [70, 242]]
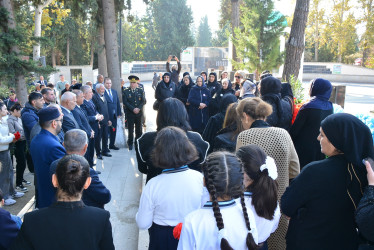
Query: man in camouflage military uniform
[[133, 100]]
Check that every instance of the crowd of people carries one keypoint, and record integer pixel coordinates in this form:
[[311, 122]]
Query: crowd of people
[[226, 167]]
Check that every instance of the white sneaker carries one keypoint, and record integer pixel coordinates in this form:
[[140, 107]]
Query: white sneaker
[[18, 194], [9, 202]]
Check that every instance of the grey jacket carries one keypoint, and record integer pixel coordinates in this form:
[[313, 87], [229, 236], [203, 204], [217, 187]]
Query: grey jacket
[[15, 124]]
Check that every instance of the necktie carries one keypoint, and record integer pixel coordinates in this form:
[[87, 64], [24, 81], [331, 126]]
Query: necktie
[[110, 95]]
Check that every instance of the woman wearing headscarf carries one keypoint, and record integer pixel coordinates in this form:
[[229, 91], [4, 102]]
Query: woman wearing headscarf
[[322, 200], [270, 89], [224, 90], [248, 89], [199, 99], [213, 86], [306, 126], [215, 122], [165, 89], [184, 89]]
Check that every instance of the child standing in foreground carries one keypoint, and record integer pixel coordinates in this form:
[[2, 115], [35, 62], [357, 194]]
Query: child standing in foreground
[[261, 189], [235, 226]]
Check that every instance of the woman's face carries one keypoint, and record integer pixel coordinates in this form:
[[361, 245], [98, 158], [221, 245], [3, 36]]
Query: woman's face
[[211, 78], [326, 147], [3, 111], [225, 84], [186, 80], [16, 113], [238, 78], [199, 82]]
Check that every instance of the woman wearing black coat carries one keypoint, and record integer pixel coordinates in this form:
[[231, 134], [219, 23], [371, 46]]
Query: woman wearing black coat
[[171, 113], [215, 122], [165, 89], [199, 99], [213, 86], [270, 90], [321, 201], [184, 89], [306, 126], [224, 90]]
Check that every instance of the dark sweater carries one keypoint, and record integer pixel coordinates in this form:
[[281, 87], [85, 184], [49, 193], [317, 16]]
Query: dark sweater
[[365, 215], [321, 211], [304, 134]]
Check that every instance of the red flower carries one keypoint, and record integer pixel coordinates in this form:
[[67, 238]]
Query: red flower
[[17, 135], [177, 231], [114, 129]]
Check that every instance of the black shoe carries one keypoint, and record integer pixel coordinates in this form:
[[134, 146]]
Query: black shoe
[[114, 147], [98, 172], [106, 154], [100, 157], [130, 147]]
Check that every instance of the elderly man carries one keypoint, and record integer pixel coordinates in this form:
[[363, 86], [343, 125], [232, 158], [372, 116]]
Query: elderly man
[[82, 120], [48, 96], [68, 103], [101, 105], [46, 148], [42, 81], [100, 80], [93, 118], [114, 110], [96, 195]]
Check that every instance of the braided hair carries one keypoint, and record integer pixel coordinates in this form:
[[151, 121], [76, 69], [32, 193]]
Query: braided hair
[[224, 178]]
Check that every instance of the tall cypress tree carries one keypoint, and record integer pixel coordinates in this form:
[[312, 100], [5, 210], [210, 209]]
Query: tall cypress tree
[[204, 35], [257, 40]]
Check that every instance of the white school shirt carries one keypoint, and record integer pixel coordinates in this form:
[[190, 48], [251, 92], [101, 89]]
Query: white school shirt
[[169, 197], [264, 226], [200, 231]]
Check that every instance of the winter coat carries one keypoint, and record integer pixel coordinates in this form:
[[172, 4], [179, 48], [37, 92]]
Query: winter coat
[[15, 125], [164, 90], [29, 118], [213, 87], [183, 92], [198, 117]]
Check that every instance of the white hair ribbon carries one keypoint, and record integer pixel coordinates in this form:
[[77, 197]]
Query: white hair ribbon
[[271, 167]]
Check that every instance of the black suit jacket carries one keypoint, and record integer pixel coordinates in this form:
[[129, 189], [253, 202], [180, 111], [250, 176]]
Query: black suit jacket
[[101, 107], [114, 108], [69, 121], [90, 110], [81, 119], [66, 225]]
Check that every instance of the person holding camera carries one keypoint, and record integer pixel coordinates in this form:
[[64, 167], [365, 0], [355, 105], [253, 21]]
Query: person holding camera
[[175, 70]]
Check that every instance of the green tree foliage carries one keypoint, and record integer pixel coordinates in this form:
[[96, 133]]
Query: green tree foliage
[[204, 35], [257, 40], [134, 40], [221, 38], [367, 39], [171, 21], [315, 26]]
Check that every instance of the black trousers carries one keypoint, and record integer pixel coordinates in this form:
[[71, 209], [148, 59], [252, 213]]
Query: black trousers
[[89, 155], [134, 120], [20, 154], [112, 134], [102, 137], [30, 163]]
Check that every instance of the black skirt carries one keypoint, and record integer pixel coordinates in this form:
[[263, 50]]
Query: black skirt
[[161, 238]]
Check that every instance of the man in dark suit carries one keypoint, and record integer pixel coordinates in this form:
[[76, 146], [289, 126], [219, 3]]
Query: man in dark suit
[[68, 103], [114, 110], [93, 118], [45, 148], [82, 120], [102, 107], [96, 195]]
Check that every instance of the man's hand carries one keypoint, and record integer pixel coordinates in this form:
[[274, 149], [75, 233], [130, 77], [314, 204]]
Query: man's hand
[[370, 174], [109, 123], [92, 134], [136, 111], [176, 59], [202, 105]]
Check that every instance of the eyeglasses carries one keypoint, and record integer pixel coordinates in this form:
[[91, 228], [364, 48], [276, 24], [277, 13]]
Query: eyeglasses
[[238, 77], [59, 120]]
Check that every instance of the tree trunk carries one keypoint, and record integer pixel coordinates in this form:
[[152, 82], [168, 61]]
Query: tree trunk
[[92, 54], [111, 44], [38, 28], [316, 44], [234, 24], [68, 52], [295, 43], [101, 53], [21, 89], [53, 54]]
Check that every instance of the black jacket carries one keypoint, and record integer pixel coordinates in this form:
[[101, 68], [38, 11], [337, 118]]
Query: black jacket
[[101, 107], [144, 147], [164, 90], [66, 225], [225, 139], [175, 73], [365, 215]]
